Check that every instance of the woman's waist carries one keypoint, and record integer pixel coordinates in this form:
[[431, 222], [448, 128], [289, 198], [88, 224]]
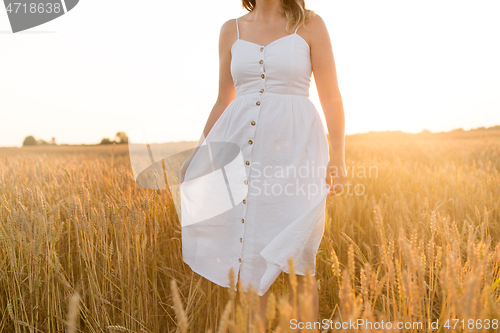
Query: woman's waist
[[267, 91]]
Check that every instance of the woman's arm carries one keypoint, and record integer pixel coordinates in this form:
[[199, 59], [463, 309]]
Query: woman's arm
[[325, 76], [226, 86]]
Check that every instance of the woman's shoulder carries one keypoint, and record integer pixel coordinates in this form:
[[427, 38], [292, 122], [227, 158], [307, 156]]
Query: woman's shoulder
[[314, 30], [228, 28], [228, 25], [228, 31], [315, 22], [231, 23]]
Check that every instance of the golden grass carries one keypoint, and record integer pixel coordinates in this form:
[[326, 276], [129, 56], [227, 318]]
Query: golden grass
[[83, 249]]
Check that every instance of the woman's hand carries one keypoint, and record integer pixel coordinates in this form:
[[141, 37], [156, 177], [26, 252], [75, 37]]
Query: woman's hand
[[337, 170]]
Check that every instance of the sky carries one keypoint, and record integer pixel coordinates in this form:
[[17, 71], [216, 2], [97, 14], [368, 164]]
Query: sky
[[107, 66]]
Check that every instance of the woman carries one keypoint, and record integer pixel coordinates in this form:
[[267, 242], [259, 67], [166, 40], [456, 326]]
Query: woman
[[263, 108]]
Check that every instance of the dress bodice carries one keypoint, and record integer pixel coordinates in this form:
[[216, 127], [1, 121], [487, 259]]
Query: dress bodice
[[281, 67]]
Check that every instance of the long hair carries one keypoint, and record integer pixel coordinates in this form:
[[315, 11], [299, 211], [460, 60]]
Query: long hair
[[295, 12]]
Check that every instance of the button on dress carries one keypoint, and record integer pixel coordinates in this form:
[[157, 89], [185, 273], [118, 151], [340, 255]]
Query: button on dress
[[284, 152]]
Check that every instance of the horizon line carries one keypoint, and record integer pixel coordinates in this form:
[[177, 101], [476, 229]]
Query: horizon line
[[424, 131]]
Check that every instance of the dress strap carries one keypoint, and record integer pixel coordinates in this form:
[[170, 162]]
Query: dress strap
[[296, 30], [237, 29]]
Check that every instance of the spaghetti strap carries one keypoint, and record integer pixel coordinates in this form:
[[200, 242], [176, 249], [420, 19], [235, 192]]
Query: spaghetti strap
[[237, 29], [296, 30]]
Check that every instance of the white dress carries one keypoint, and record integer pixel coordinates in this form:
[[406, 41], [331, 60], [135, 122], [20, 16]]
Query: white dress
[[284, 153]]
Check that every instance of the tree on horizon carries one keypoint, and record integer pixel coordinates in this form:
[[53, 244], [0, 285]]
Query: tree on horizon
[[122, 137], [30, 141], [106, 141]]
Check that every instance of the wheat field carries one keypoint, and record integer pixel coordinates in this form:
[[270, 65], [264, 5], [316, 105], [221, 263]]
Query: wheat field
[[84, 249]]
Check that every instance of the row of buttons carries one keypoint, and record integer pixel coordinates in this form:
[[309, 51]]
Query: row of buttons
[[250, 142]]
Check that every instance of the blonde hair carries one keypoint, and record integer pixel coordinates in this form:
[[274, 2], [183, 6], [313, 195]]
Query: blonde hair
[[295, 12]]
